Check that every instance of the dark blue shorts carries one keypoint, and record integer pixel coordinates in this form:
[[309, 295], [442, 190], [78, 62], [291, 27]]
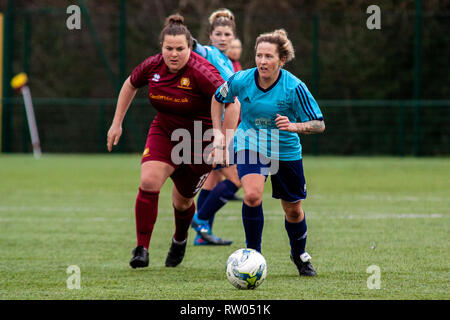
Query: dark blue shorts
[[219, 166], [288, 180]]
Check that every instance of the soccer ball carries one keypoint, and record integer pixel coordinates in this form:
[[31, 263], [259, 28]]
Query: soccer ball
[[246, 268]]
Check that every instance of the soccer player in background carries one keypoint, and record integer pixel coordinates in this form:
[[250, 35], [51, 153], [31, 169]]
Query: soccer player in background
[[180, 86], [234, 53], [216, 191], [267, 140]]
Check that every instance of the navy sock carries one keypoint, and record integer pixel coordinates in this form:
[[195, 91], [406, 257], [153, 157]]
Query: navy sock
[[297, 236], [202, 196], [253, 220], [216, 199]]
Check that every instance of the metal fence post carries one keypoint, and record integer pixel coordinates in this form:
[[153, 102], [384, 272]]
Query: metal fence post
[[122, 43], [417, 74], [98, 44], [8, 38], [315, 55], [401, 130], [315, 72], [101, 145]]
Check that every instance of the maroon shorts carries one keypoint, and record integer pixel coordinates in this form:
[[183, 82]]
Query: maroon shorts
[[187, 177]]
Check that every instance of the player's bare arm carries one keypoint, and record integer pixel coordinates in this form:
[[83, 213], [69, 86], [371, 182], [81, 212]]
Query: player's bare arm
[[126, 95], [223, 131], [217, 109], [230, 120], [309, 127]]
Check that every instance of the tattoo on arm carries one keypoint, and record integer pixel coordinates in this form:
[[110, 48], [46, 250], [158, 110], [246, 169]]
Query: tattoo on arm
[[311, 127]]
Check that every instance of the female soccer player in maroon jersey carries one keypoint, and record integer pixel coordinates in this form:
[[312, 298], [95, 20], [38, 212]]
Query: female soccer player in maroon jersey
[[180, 87]]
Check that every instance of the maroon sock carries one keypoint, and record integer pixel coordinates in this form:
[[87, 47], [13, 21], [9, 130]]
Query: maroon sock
[[146, 211], [182, 222]]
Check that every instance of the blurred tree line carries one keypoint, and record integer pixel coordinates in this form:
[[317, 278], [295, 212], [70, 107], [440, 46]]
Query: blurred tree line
[[352, 61], [337, 56]]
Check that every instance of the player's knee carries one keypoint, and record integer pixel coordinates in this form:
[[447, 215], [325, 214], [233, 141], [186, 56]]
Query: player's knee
[[182, 204], [294, 214], [232, 175], [252, 198], [149, 183], [212, 180]]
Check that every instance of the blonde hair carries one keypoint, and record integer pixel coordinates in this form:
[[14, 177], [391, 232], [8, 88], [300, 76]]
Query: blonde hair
[[222, 18], [280, 39]]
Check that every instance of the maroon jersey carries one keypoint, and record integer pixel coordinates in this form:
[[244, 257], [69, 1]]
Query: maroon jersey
[[179, 98], [236, 65]]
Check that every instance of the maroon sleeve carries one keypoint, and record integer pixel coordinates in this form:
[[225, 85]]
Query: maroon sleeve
[[208, 78], [139, 76]]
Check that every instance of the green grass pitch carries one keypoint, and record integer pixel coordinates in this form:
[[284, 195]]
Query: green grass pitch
[[64, 210]]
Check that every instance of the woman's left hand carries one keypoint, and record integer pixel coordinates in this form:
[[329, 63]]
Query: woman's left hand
[[284, 124]]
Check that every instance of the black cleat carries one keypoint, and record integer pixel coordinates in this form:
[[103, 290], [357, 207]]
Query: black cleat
[[176, 254], [304, 265], [140, 258]]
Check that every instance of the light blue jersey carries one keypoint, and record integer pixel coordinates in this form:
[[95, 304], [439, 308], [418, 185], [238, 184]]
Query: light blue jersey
[[287, 96], [217, 58]]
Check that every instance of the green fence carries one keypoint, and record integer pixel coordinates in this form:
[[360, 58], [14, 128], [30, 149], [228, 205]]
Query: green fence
[[381, 91], [354, 127]]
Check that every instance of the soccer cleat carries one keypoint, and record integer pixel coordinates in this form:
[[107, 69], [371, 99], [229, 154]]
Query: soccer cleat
[[212, 240], [140, 258], [304, 265], [199, 224], [176, 254], [204, 231], [198, 241]]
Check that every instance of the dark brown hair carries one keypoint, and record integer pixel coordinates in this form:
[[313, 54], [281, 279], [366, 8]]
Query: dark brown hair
[[174, 26], [222, 18]]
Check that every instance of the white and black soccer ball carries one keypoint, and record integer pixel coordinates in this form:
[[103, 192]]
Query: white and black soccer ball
[[246, 268]]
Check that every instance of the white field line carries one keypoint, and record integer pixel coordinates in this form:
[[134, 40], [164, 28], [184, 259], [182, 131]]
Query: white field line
[[312, 196], [388, 198], [164, 214]]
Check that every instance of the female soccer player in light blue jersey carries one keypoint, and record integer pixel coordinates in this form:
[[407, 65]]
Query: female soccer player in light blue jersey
[[216, 191], [275, 108], [222, 32]]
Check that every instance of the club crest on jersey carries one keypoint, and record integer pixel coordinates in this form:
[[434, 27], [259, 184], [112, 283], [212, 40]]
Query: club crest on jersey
[[185, 83], [156, 77]]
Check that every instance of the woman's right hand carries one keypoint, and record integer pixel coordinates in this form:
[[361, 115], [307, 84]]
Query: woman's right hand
[[114, 134]]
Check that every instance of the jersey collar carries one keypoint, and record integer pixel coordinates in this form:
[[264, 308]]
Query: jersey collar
[[271, 86]]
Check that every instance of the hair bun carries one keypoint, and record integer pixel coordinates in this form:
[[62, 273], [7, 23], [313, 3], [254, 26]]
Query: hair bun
[[280, 32], [225, 13], [174, 19]]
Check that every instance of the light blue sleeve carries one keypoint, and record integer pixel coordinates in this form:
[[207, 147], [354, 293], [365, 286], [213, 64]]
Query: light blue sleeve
[[305, 105], [200, 49], [228, 90]]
